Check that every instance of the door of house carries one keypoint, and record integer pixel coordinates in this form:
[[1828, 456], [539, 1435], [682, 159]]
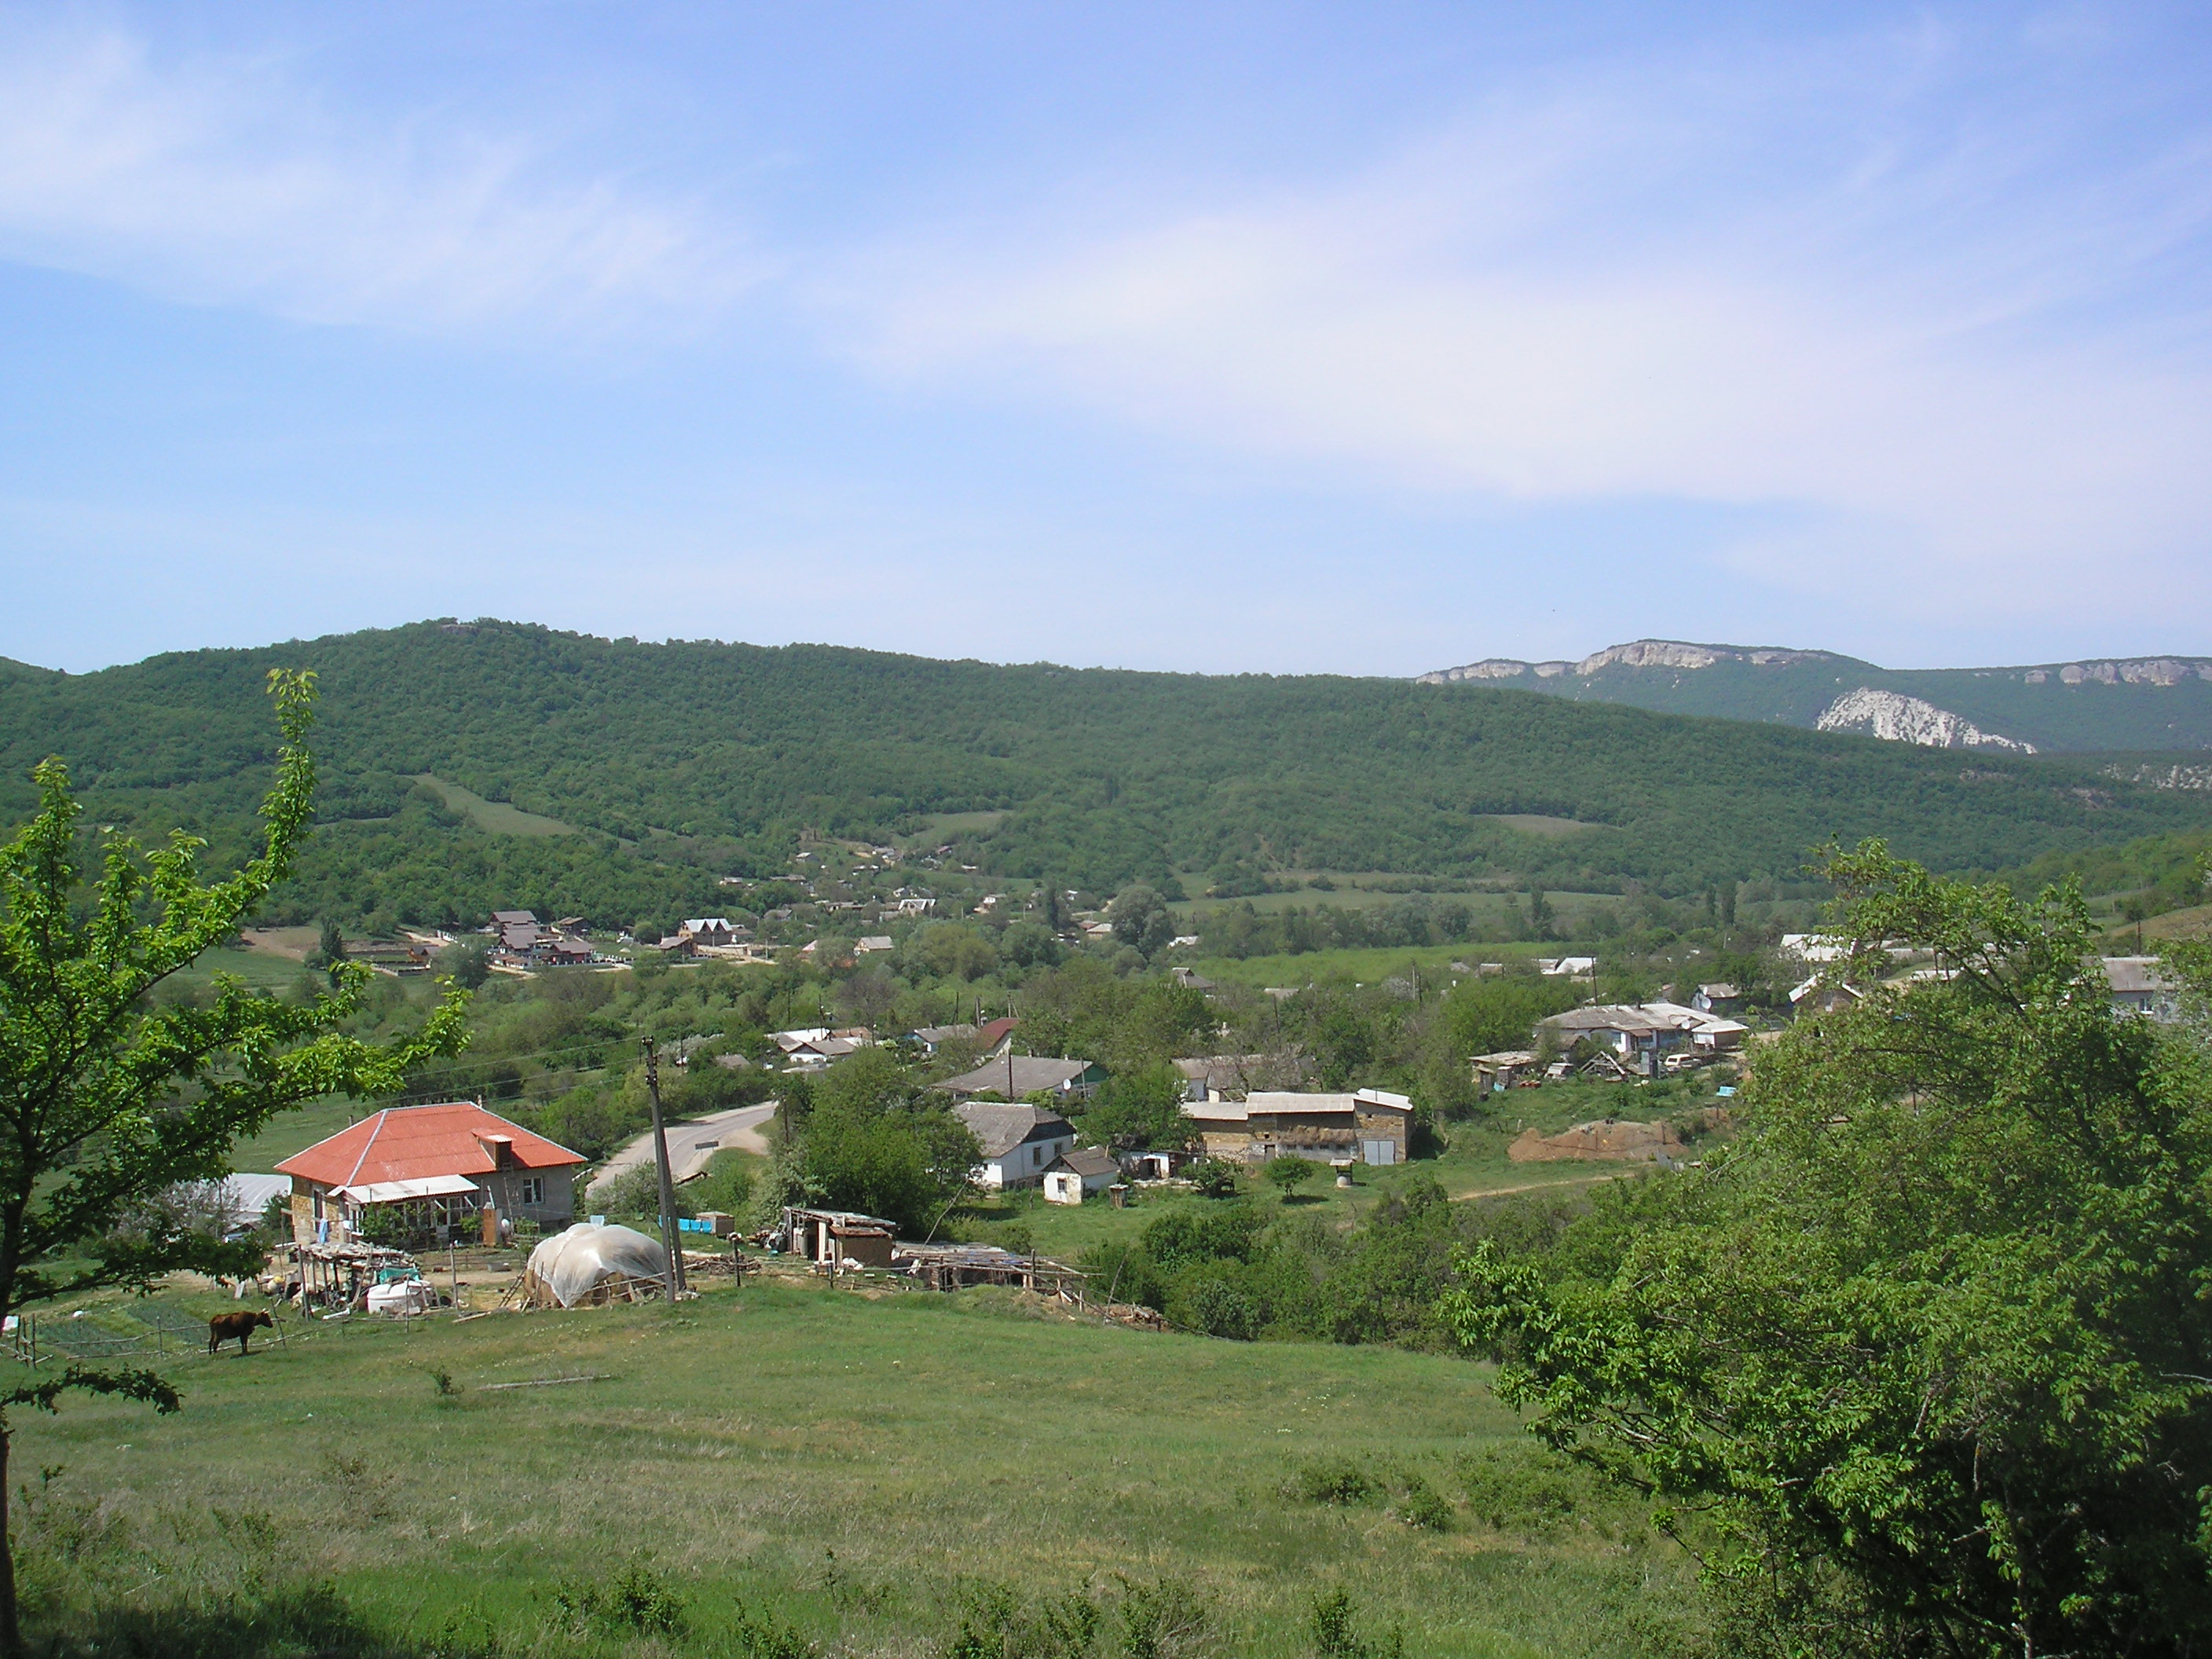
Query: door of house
[[1378, 1152]]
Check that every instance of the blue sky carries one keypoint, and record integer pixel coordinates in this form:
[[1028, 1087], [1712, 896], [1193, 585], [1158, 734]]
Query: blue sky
[[1367, 338]]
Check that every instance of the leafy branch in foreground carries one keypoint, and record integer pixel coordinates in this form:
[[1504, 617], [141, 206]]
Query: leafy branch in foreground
[[1924, 1366], [106, 1100]]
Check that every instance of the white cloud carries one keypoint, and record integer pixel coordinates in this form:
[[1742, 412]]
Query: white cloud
[[1760, 287], [218, 179]]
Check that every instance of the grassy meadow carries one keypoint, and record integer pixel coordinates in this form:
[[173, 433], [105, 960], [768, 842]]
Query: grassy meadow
[[495, 818], [860, 1469]]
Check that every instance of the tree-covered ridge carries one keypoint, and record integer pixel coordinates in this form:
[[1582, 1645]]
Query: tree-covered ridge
[[673, 760]]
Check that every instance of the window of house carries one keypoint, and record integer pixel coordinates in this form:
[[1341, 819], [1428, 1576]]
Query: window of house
[[533, 1190]]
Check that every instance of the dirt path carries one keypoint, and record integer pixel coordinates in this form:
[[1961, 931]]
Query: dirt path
[[1544, 1186]]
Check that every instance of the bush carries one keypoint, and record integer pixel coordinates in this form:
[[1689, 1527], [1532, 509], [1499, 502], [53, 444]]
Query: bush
[[764, 1636], [999, 1622], [1334, 1636], [636, 1599], [1329, 1480], [1215, 1306], [726, 1186], [1422, 1505], [1214, 1177], [634, 1194], [1292, 1173], [1521, 1488], [1166, 1619]]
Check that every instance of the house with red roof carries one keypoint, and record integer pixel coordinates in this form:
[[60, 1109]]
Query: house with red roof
[[432, 1171]]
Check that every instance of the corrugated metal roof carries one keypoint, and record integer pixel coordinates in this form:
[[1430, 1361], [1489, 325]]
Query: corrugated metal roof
[[412, 1143]]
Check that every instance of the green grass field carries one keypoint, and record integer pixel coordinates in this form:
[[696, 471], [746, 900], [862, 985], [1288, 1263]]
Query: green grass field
[[294, 1131], [855, 1463], [495, 818], [1370, 967]]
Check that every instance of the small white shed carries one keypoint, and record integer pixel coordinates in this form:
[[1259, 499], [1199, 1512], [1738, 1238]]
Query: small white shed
[[1075, 1176]]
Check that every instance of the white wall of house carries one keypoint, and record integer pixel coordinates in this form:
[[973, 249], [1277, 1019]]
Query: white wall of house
[[1025, 1166]]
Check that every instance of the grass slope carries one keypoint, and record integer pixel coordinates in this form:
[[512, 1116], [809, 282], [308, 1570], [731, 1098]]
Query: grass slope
[[853, 1463]]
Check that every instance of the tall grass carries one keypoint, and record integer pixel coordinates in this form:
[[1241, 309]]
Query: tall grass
[[760, 1471]]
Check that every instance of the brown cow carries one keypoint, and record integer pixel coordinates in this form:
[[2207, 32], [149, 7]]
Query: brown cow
[[223, 1327]]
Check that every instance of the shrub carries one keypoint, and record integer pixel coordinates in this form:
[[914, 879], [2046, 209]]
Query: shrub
[[1166, 1619], [997, 1622], [1329, 1480], [1214, 1177], [1292, 1173], [1422, 1505], [1334, 1636], [764, 1636], [1215, 1306], [635, 1599], [1521, 1488]]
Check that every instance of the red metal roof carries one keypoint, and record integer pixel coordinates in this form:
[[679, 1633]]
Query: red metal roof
[[408, 1143]]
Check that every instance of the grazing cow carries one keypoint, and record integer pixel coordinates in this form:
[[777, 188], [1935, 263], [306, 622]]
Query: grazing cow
[[223, 1327]]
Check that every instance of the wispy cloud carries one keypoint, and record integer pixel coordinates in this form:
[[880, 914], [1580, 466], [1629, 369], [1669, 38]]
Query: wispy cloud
[[223, 179], [1767, 284]]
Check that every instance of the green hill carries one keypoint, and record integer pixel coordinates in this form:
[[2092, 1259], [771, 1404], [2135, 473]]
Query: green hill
[[2133, 703], [618, 779]]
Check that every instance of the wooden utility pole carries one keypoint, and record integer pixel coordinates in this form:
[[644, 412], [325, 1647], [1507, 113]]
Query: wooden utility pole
[[668, 1240]]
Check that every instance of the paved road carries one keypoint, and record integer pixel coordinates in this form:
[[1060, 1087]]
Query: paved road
[[692, 1143]]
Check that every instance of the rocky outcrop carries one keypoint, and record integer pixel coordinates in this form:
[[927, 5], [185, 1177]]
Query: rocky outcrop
[[2140, 671], [2179, 776], [1901, 719], [1638, 653]]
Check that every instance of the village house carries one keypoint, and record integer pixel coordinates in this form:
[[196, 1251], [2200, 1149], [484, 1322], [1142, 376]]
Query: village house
[[1231, 1077], [524, 941], [1020, 1142], [1016, 1077], [990, 1038], [1371, 1126], [1639, 1034], [712, 930], [1075, 1176], [1723, 1000], [2138, 987], [818, 1045], [436, 1170], [1818, 996]]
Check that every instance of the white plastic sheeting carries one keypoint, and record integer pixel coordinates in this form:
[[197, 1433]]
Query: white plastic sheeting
[[408, 1296], [589, 1263]]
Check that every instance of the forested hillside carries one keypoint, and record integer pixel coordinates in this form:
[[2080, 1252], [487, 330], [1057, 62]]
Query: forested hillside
[[670, 764]]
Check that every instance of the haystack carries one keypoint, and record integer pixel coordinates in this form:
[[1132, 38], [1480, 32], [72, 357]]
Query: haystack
[[590, 1266]]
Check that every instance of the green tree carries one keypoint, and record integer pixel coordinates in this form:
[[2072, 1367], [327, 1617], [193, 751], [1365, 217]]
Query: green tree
[[1141, 1109], [1292, 1173], [330, 949], [1931, 1350], [1142, 920], [107, 1097], [870, 1140]]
